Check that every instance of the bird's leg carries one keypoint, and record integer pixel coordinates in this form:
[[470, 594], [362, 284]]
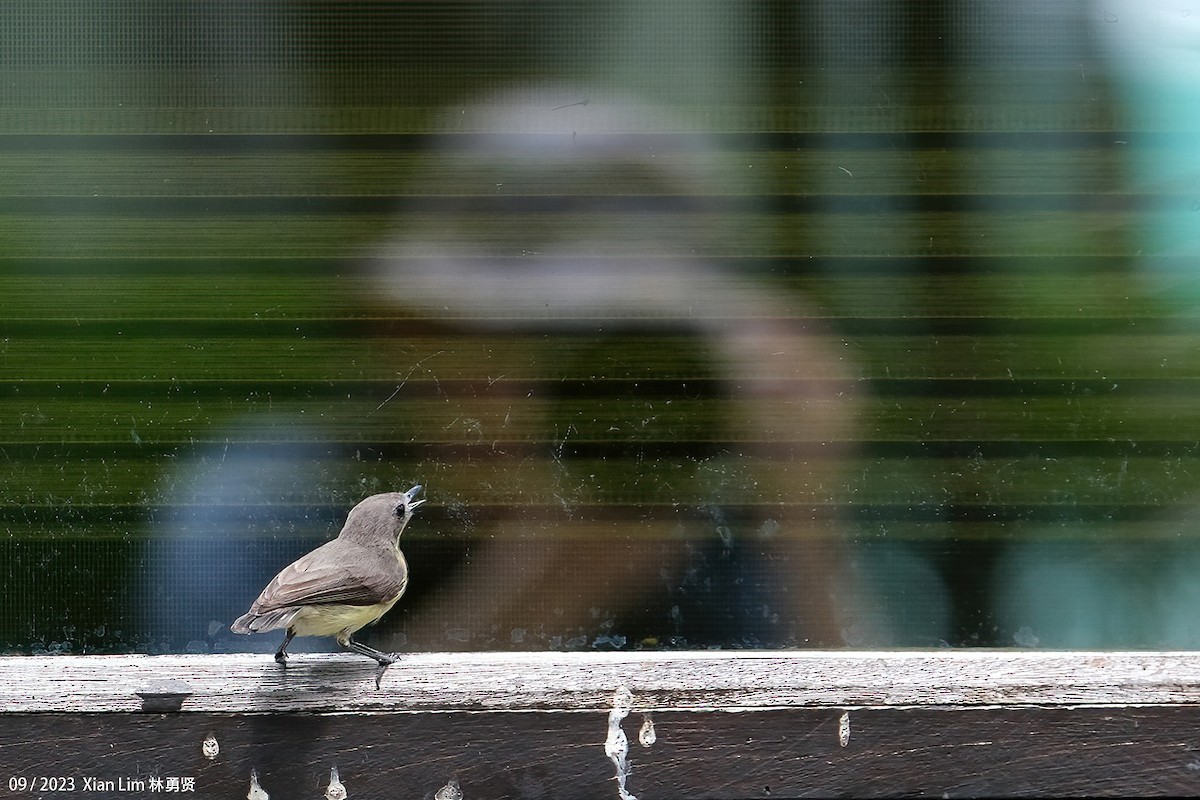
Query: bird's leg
[[383, 659], [369, 652], [382, 668], [281, 654]]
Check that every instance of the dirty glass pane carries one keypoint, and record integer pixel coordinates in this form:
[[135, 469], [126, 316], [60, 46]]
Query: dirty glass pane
[[703, 324]]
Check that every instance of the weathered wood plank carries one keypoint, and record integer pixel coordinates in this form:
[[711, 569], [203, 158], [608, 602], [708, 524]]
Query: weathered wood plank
[[784, 753], [658, 681]]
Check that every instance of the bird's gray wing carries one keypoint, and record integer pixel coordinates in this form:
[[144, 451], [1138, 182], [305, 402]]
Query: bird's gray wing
[[312, 580]]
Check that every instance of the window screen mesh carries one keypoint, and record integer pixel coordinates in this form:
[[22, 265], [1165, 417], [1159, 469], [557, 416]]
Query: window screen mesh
[[704, 324]]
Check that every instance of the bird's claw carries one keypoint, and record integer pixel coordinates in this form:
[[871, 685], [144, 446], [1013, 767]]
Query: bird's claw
[[383, 665]]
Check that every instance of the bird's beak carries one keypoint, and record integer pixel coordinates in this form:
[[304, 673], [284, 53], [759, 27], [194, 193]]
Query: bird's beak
[[410, 497]]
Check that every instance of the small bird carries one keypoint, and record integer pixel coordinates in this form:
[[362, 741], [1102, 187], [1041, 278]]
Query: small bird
[[344, 584]]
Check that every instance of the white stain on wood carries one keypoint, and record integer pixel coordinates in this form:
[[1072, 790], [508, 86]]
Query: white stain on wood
[[256, 792], [451, 791], [209, 747], [844, 729], [646, 735], [336, 789], [616, 744]]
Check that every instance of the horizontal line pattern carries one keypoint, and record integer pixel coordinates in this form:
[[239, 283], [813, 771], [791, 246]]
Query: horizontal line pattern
[[84, 341], [923, 320]]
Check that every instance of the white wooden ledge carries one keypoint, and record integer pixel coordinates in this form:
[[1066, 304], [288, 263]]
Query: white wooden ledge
[[658, 681]]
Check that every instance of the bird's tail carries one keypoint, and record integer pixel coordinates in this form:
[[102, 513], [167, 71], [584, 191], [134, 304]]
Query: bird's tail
[[267, 621]]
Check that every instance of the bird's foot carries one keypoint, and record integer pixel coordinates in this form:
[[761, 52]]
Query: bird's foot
[[384, 662], [281, 658]]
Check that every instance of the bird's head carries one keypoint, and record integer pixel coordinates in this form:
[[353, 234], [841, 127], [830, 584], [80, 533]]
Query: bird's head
[[381, 518]]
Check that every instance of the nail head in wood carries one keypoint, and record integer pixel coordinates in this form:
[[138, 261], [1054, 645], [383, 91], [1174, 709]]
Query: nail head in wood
[[164, 696]]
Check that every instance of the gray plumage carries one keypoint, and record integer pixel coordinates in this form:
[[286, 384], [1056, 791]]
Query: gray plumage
[[344, 584]]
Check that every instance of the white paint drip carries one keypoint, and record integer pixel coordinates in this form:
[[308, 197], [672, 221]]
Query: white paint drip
[[616, 745], [209, 747], [844, 729], [256, 792], [336, 790], [450, 791], [646, 735]]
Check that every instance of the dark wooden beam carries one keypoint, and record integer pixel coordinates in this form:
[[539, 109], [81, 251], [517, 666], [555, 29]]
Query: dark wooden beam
[[552, 725], [784, 753]]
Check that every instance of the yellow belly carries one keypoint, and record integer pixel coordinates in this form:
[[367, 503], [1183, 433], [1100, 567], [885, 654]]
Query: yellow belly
[[337, 620]]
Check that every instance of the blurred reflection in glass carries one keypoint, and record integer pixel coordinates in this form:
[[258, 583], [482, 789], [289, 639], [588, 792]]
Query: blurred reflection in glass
[[636, 430], [1155, 49], [231, 513], [708, 530], [1076, 586]]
